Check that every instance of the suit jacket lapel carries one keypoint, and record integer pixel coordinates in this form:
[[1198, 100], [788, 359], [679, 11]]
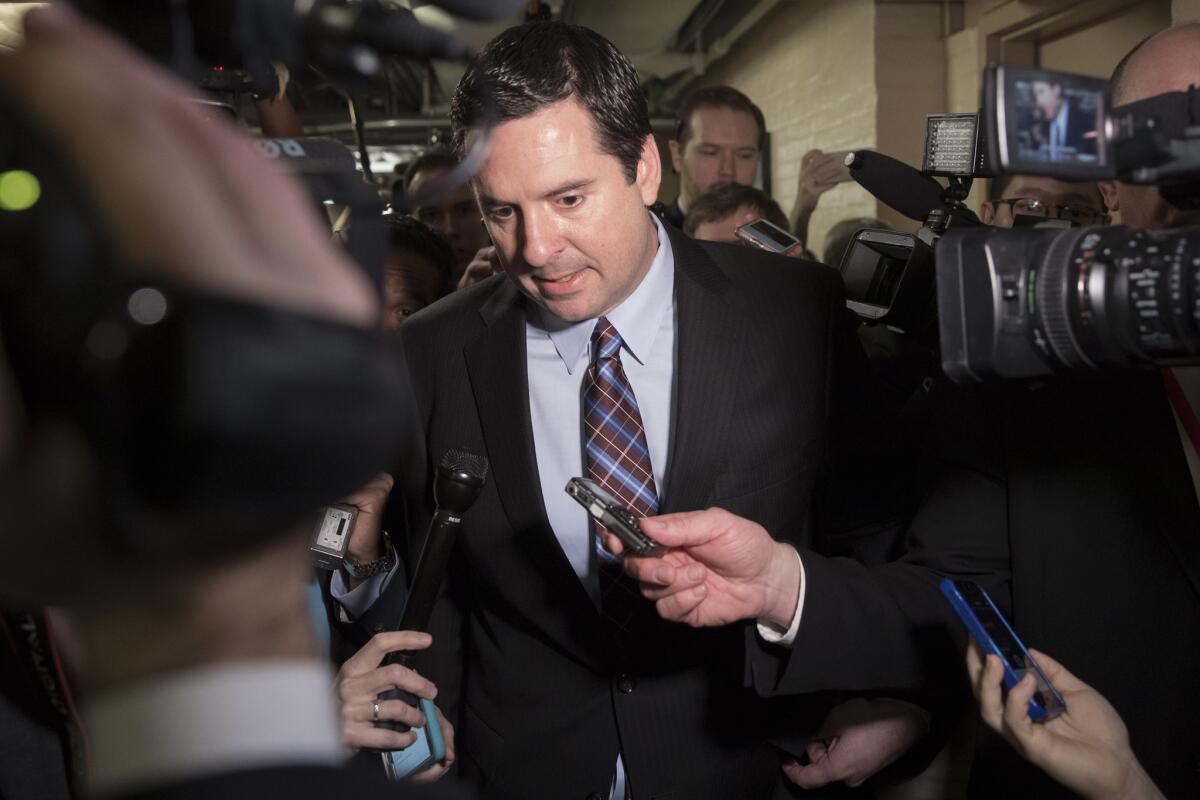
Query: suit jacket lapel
[[709, 343], [497, 369]]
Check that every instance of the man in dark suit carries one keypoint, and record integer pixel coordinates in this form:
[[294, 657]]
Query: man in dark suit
[[200, 682], [717, 362]]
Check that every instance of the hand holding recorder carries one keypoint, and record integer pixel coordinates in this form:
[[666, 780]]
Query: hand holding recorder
[[718, 568]]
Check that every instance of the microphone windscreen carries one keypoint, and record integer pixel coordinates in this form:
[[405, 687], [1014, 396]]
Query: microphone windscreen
[[897, 184]]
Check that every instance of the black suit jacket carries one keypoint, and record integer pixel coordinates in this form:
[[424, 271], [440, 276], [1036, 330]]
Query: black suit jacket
[[543, 695], [1094, 498]]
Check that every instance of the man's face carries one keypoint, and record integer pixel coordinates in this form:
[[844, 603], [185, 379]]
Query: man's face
[[1166, 63], [1049, 192], [725, 230], [1048, 97], [455, 216], [570, 229], [410, 282], [723, 148]]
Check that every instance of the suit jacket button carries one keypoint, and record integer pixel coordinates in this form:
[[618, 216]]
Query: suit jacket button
[[625, 683], [378, 627]]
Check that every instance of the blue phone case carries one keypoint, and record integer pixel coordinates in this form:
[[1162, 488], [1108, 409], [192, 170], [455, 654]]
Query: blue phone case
[[970, 601], [427, 750]]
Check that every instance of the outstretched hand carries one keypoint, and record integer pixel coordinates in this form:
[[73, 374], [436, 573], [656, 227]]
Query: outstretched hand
[[719, 569], [1086, 748]]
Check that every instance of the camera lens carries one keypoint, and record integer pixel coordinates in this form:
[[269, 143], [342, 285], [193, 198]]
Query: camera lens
[[1119, 297]]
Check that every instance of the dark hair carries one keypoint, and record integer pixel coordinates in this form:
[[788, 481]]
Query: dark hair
[[717, 97], [532, 66], [725, 199], [409, 233], [438, 158], [1000, 185], [837, 240]]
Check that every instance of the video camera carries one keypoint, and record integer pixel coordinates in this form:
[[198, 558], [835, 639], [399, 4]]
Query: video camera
[[1031, 302]]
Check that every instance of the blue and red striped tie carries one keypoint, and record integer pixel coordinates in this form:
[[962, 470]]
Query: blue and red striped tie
[[617, 459]]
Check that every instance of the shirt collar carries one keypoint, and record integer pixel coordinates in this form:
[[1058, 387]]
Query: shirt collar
[[212, 720], [637, 319]]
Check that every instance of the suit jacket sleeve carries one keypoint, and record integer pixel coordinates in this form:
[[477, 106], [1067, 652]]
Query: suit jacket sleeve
[[887, 626]]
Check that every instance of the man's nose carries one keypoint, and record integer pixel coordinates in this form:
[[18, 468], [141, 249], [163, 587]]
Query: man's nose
[[541, 239]]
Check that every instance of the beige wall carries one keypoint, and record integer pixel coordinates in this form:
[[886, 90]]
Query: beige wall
[[1095, 50], [843, 74], [810, 65]]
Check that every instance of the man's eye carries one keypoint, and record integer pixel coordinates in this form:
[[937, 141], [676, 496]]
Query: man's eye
[[571, 200], [748, 155], [708, 152], [500, 213]]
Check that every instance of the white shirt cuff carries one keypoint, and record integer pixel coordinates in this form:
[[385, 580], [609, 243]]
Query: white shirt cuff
[[786, 638]]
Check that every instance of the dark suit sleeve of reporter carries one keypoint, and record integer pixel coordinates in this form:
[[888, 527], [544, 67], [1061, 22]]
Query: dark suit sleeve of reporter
[[868, 628]]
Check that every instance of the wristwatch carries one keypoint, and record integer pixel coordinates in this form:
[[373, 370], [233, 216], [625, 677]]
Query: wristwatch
[[382, 564]]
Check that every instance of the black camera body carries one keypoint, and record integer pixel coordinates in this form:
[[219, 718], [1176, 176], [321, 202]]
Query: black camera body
[[1035, 301]]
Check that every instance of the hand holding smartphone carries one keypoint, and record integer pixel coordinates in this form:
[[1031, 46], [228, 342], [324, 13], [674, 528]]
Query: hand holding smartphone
[[766, 236], [993, 634]]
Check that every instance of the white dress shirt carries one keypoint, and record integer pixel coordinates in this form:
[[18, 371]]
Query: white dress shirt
[[212, 720]]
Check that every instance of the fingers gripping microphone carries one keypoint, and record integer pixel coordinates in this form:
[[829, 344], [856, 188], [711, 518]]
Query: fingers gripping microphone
[[457, 484], [896, 184]]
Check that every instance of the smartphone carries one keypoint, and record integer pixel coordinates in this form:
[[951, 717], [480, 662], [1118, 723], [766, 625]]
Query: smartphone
[[427, 750], [618, 519], [993, 634], [766, 236]]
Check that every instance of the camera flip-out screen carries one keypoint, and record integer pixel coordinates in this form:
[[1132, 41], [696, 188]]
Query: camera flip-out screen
[[1048, 123]]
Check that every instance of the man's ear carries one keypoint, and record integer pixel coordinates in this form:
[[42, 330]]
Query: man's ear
[[649, 171], [1108, 190], [676, 155], [987, 212]]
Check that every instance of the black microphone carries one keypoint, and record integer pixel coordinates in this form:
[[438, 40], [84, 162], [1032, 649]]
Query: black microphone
[[896, 184], [456, 486]]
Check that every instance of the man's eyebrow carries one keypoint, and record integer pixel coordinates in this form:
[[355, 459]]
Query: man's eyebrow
[[569, 186], [491, 202]]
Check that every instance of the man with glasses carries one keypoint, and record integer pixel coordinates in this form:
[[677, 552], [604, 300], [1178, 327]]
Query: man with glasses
[[1042, 198]]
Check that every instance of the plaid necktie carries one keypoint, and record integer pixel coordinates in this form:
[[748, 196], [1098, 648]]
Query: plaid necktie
[[617, 459]]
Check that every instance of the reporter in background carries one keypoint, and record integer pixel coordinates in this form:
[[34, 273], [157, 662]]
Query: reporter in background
[[718, 139], [453, 214], [1037, 197], [720, 211], [199, 682], [418, 271]]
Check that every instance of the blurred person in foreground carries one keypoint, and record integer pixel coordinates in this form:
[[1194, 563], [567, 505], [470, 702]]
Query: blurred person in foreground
[[198, 683]]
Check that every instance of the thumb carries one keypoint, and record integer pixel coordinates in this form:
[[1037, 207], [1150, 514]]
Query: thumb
[[685, 529]]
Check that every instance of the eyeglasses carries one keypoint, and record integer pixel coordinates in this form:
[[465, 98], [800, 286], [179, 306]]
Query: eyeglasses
[[1084, 215]]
